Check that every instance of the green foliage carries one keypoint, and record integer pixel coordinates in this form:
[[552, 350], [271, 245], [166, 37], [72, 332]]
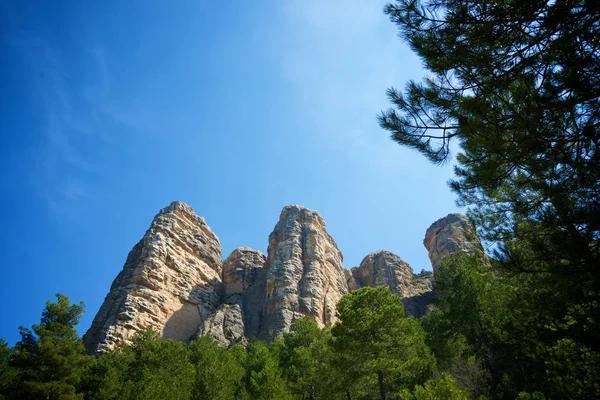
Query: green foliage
[[531, 396], [480, 332], [573, 369], [105, 377], [218, 371], [49, 357], [305, 356], [8, 375], [263, 378], [446, 387], [149, 368], [515, 85], [472, 328], [378, 348]]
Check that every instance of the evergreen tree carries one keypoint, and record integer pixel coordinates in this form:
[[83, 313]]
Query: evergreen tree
[[105, 377], [476, 328], [149, 368], [379, 348], [49, 357], [218, 372], [8, 375], [446, 387], [263, 378], [305, 356], [516, 85]]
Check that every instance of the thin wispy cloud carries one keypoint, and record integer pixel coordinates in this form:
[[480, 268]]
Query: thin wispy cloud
[[347, 54], [76, 117]]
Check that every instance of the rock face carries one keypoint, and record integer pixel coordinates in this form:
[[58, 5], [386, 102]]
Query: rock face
[[384, 268], [226, 325], [174, 279], [420, 294], [304, 272], [449, 234], [244, 284], [171, 282]]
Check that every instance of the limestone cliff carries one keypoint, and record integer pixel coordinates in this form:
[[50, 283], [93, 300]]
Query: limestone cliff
[[174, 279], [304, 272], [455, 232], [171, 282], [384, 268]]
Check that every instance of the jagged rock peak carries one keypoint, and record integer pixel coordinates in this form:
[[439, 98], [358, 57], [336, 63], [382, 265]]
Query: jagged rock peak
[[384, 268], [454, 232], [294, 214], [171, 281], [178, 205], [304, 272]]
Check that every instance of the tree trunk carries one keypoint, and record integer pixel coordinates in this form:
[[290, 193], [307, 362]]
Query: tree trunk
[[381, 386], [348, 394]]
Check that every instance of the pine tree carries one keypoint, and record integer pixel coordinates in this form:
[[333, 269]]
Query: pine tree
[[149, 368], [516, 86], [50, 356], [378, 348], [218, 372], [263, 378], [8, 375], [305, 356]]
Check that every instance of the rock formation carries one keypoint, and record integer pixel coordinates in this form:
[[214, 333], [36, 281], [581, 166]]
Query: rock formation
[[449, 234], [244, 284], [304, 272], [174, 279], [226, 325], [170, 281], [384, 268], [420, 294]]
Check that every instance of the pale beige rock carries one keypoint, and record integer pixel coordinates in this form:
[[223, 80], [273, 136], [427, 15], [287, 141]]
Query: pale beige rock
[[244, 283], [174, 279], [350, 281], [450, 234], [384, 268], [304, 272], [171, 282]]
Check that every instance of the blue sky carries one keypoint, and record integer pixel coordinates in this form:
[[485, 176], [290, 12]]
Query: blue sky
[[111, 110]]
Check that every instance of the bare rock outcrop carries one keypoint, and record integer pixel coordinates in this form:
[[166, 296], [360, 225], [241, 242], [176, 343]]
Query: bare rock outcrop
[[304, 272], [175, 281], [171, 282], [350, 281], [244, 284], [384, 268], [455, 232], [226, 325]]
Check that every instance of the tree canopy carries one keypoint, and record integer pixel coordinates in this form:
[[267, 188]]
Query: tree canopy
[[515, 85]]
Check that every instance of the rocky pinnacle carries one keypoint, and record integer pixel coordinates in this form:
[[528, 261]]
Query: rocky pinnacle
[[174, 279]]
